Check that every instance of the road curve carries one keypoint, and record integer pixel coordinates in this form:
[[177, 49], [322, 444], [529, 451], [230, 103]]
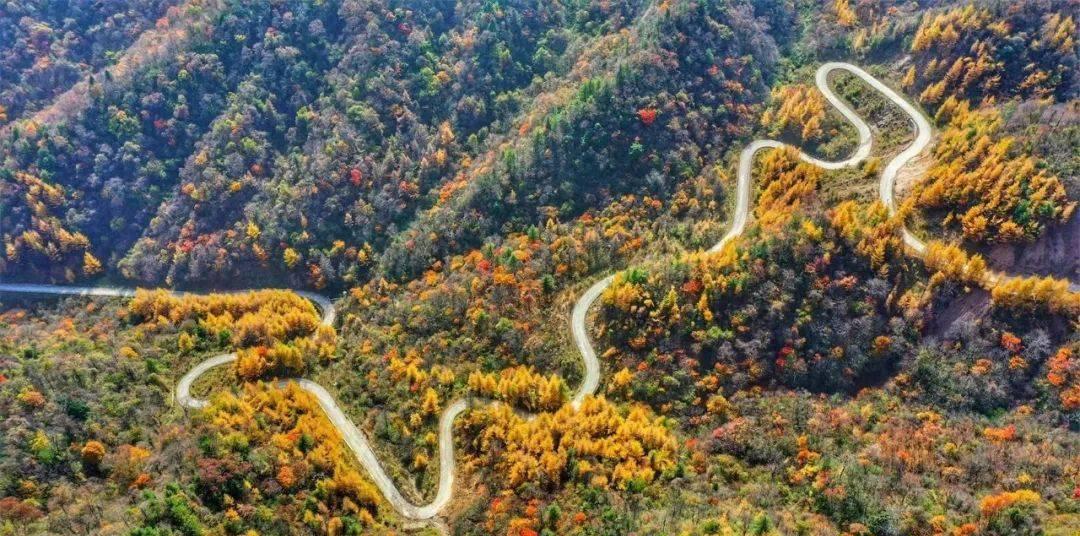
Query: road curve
[[591, 381], [821, 79], [355, 438]]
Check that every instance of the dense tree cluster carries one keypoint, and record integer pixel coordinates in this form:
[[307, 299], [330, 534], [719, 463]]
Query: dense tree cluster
[[1037, 294], [89, 432], [597, 444], [982, 54], [986, 368], [521, 387], [48, 46], [200, 168], [954, 263], [478, 319], [233, 175], [272, 462], [799, 113], [872, 232], [861, 28], [418, 86], [1063, 375], [645, 109], [1023, 293], [770, 309], [78, 393], [984, 185], [839, 458], [274, 331], [786, 183], [111, 165]]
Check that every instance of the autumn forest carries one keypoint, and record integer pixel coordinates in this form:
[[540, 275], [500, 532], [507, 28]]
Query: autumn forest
[[537, 268]]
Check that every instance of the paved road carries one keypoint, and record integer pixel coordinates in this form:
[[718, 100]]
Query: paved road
[[580, 333], [108, 292], [358, 442], [354, 438], [821, 78]]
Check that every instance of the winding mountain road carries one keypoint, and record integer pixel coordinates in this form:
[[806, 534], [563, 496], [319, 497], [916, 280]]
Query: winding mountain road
[[358, 442], [923, 134]]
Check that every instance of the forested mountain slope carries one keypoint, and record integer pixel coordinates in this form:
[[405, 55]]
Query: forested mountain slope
[[300, 141], [49, 46], [453, 175]]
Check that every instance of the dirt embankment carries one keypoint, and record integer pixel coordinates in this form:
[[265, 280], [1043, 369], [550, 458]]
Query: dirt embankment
[[916, 169], [1053, 133], [1056, 253]]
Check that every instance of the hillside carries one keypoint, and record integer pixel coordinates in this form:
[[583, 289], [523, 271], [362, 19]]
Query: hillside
[[533, 268]]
